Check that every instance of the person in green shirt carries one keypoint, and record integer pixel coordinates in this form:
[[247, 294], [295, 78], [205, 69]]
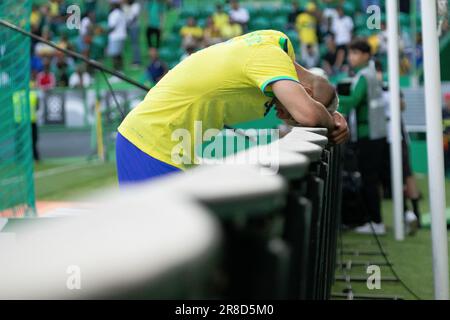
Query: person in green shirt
[[364, 106], [155, 16]]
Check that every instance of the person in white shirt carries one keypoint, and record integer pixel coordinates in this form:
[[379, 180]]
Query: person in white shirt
[[80, 78], [342, 29], [132, 9], [117, 29], [239, 14], [86, 31]]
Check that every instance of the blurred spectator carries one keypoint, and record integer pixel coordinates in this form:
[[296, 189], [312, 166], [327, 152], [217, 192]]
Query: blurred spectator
[[342, 29], [155, 17], [45, 80], [61, 72], [220, 17], [64, 42], [80, 78], [306, 24], [86, 33], [211, 34], [446, 125], [382, 39], [117, 29], [329, 12], [239, 14], [310, 58], [36, 65], [293, 14], [157, 68], [191, 33], [132, 9], [333, 58], [34, 105], [42, 49], [231, 30], [326, 28], [419, 50], [35, 19]]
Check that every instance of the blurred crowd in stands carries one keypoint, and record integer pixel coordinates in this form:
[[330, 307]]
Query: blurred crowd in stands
[[323, 36]]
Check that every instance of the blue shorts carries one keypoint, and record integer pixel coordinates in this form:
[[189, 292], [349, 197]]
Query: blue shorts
[[134, 165]]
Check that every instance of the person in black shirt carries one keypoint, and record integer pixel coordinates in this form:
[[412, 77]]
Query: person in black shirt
[[292, 17], [333, 59]]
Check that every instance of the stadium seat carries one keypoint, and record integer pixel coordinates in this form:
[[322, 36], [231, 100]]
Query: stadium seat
[[189, 12], [278, 23], [260, 23]]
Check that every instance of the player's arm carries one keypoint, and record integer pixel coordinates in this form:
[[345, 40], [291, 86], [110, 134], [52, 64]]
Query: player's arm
[[304, 110], [322, 90]]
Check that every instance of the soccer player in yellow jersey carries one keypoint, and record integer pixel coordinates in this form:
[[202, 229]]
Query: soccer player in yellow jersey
[[225, 84]]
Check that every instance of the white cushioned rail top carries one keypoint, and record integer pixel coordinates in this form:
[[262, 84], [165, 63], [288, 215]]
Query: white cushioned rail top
[[293, 142], [320, 131], [302, 134], [227, 184], [127, 242], [287, 163]]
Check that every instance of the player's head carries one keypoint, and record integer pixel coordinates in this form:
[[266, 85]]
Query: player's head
[[359, 53]]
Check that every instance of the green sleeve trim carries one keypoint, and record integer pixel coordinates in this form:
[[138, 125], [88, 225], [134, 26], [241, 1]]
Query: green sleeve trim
[[283, 44], [270, 81]]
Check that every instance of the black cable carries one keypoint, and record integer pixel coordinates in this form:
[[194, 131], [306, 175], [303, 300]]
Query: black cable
[[122, 112], [380, 247]]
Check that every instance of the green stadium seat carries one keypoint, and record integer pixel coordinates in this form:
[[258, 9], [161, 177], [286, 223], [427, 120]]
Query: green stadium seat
[[178, 25], [206, 12], [349, 8], [404, 19], [189, 12], [284, 9], [267, 11], [278, 23], [172, 40], [260, 23], [360, 21], [168, 54]]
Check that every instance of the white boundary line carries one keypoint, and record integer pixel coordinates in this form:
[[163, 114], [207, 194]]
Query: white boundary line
[[63, 169]]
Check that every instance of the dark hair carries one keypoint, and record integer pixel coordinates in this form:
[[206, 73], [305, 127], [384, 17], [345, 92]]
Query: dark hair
[[378, 65], [360, 45]]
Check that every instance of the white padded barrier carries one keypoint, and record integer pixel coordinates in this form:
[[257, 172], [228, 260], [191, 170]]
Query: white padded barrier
[[305, 135], [120, 249], [288, 164]]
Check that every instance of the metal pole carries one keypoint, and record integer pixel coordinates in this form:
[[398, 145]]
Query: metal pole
[[413, 11], [394, 90], [435, 152]]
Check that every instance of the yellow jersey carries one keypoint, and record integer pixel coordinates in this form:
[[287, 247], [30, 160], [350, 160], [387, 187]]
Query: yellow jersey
[[306, 26], [195, 32], [226, 83], [220, 20]]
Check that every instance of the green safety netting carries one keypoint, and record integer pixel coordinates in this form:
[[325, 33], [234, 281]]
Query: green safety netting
[[16, 162]]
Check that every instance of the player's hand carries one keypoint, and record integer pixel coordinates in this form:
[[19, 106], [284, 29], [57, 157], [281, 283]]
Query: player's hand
[[341, 133]]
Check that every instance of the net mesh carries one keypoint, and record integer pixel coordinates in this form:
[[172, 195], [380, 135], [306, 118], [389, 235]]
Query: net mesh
[[16, 162]]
